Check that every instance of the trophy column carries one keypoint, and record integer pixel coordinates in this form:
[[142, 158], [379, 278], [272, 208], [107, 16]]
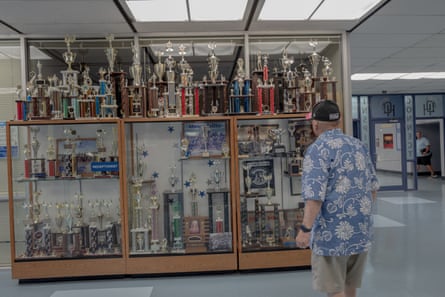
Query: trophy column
[[173, 216]]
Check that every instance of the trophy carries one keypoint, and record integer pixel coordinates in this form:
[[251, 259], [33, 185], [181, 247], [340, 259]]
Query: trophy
[[225, 149], [205, 138], [154, 222], [37, 164], [275, 135], [327, 69], [173, 179], [139, 233], [159, 68], [314, 58], [136, 68], [110, 53], [213, 63], [247, 180], [269, 190], [194, 193], [184, 148], [51, 157], [69, 56]]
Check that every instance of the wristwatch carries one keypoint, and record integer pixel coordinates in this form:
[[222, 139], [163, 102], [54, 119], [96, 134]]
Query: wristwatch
[[305, 229]]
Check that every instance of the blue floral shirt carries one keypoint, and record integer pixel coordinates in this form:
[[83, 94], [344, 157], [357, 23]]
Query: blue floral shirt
[[338, 171]]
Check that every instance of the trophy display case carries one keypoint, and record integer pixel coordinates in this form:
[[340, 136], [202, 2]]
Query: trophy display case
[[269, 155], [179, 196], [65, 199]]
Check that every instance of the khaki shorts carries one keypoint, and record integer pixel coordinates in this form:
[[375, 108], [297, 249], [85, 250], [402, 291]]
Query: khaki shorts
[[332, 274]]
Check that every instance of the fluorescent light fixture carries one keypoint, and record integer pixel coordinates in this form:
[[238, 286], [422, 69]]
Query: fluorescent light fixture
[[344, 9], [392, 76], [225, 10], [363, 76], [287, 10], [158, 10]]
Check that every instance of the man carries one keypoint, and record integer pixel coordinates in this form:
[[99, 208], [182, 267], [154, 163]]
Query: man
[[339, 186], [424, 154]]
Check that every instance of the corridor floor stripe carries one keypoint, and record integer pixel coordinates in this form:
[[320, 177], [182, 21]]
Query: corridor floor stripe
[[109, 292]]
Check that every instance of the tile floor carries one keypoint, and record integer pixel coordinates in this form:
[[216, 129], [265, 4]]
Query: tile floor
[[406, 260]]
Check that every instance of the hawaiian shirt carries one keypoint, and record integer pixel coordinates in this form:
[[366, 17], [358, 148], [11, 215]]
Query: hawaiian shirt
[[338, 171]]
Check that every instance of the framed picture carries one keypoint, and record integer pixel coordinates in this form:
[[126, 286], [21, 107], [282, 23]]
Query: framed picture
[[205, 137], [258, 175], [85, 152]]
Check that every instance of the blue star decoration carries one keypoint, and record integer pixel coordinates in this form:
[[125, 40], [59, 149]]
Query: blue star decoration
[[155, 174], [202, 194], [171, 129], [145, 153], [187, 184], [211, 163]]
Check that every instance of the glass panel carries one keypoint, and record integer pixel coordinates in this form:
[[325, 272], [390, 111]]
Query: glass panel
[[292, 73], [270, 157], [388, 154], [179, 187], [66, 178]]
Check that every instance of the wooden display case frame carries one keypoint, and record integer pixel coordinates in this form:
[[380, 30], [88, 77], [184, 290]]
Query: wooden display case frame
[[60, 267], [183, 263], [265, 259]]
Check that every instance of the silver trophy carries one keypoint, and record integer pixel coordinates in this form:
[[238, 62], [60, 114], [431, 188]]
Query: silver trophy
[[314, 58], [327, 69], [205, 138], [110, 53], [136, 68], [159, 68], [173, 179], [213, 63]]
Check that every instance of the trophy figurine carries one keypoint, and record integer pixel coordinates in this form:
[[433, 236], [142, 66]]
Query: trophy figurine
[[154, 223], [184, 148], [136, 68], [269, 190], [213, 63], [159, 68], [205, 138], [225, 149], [314, 58], [110, 53], [173, 179], [275, 135], [327, 68], [69, 56], [37, 164]]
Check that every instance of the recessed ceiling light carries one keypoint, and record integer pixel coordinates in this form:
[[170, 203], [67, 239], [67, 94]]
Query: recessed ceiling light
[[344, 9], [225, 10], [158, 10], [287, 10], [363, 76]]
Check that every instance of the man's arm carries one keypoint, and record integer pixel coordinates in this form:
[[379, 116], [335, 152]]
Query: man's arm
[[311, 210]]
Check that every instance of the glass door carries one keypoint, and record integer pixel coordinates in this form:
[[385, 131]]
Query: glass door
[[387, 149]]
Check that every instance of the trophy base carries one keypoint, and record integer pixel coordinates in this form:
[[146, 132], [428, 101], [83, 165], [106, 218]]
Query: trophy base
[[205, 154]]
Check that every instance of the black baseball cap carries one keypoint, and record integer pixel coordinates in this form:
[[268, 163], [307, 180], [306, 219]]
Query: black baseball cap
[[325, 111]]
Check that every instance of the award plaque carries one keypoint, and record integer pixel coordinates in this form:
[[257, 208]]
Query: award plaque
[[196, 234]]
